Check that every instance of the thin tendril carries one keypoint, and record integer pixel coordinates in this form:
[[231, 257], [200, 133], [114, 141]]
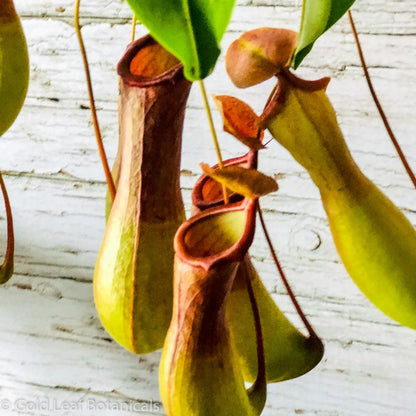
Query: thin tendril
[[133, 27], [378, 105], [101, 150], [292, 296], [6, 269], [214, 136]]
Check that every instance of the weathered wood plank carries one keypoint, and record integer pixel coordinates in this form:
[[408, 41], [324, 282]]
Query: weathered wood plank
[[54, 348]]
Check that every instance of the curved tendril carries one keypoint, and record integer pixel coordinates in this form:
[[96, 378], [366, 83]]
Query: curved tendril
[[6, 269], [107, 171], [378, 104], [292, 296]]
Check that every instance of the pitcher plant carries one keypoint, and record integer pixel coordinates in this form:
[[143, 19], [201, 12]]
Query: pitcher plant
[[288, 353], [375, 240], [133, 275], [200, 372]]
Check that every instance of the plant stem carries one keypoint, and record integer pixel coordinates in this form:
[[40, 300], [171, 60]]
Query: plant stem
[[6, 269], [104, 161], [214, 135], [133, 27], [378, 105], [292, 296]]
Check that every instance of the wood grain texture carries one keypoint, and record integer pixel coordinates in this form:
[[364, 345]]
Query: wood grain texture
[[56, 357]]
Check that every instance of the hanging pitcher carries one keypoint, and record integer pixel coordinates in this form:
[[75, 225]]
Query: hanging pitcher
[[200, 372], [288, 352], [133, 275]]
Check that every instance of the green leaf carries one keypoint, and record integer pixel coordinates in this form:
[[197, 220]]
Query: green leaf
[[189, 29], [317, 17]]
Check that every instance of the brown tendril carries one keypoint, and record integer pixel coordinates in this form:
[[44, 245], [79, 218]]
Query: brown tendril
[[289, 291], [378, 104], [6, 269], [101, 150]]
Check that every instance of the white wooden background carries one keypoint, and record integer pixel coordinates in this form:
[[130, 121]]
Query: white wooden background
[[54, 353]]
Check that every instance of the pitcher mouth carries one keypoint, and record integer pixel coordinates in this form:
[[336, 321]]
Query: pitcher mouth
[[220, 234], [139, 68], [207, 193]]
